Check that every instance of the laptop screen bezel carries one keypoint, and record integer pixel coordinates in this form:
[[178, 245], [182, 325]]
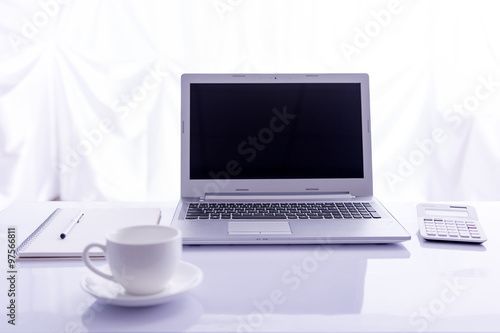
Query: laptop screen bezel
[[202, 187]]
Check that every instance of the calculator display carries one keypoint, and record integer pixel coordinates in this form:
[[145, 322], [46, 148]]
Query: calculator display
[[441, 212]]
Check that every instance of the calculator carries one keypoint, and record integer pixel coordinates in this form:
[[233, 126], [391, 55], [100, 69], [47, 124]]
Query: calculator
[[443, 222]]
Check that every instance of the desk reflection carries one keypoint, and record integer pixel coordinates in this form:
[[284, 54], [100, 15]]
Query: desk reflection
[[307, 279], [175, 316]]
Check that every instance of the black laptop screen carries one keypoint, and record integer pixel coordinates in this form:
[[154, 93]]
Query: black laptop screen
[[276, 131]]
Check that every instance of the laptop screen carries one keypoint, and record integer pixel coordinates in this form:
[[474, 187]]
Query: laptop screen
[[276, 130]]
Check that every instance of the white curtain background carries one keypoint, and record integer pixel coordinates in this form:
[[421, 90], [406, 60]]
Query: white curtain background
[[90, 89]]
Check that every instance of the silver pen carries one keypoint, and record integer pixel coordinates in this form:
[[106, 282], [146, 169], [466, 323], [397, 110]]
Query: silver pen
[[71, 225]]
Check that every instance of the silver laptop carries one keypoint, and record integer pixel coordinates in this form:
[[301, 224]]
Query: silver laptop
[[278, 159]]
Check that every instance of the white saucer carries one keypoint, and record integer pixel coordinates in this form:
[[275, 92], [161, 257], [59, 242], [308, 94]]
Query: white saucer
[[185, 278]]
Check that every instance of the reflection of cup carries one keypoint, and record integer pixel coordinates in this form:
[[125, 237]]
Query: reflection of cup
[[142, 259]]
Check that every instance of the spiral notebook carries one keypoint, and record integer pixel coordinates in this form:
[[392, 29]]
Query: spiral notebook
[[46, 241]]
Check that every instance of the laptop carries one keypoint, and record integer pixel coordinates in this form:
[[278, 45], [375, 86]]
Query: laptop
[[278, 159]]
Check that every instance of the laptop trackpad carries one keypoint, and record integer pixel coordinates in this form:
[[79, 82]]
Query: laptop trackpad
[[259, 228]]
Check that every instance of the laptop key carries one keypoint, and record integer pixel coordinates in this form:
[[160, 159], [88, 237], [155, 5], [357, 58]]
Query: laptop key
[[261, 217]]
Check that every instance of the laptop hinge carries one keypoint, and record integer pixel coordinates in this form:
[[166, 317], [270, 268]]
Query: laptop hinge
[[275, 196]]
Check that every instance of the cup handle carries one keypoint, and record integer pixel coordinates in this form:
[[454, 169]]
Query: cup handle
[[88, 263]]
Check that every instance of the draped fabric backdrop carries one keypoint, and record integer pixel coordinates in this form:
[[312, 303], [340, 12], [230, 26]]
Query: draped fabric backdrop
[[90, 90]]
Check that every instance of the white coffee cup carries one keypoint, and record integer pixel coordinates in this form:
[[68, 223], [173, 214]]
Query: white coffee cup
[[142, 259]]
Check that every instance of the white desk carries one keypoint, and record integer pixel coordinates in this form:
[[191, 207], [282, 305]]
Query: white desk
[[413, 286]]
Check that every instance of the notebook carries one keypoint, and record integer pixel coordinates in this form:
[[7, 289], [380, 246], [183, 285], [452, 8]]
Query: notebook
[[279, 159], [47, 240]]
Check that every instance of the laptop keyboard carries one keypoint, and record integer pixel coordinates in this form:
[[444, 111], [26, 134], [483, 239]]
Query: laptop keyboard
[[268, 211]]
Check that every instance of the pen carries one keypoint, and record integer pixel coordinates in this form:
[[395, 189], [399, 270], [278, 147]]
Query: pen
[[71, 225]]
